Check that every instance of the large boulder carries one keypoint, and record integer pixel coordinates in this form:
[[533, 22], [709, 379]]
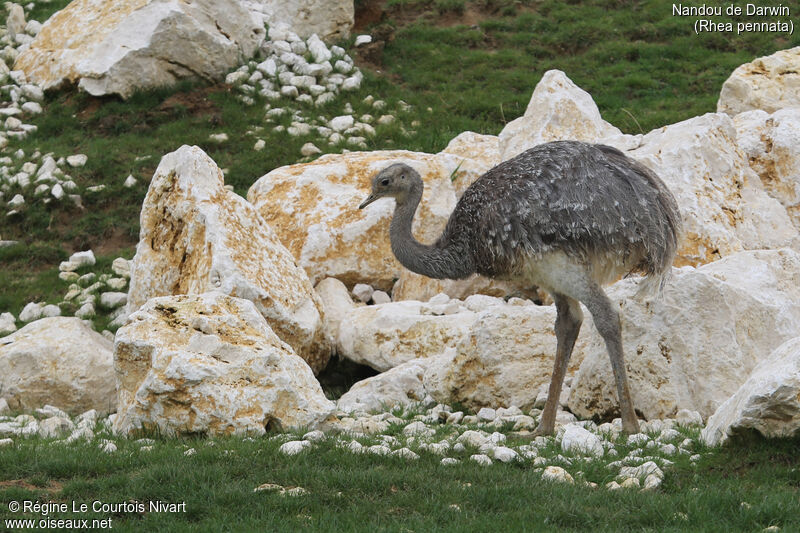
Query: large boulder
[[210, 364], [695, 346], [722, 202], [120, 46], [768, 83], [504, 359], [768, 402], [313, 207], [195, 236], [560, 110], [770, 143], [386, 335], [401, 385], [57, 361], [330, 19]]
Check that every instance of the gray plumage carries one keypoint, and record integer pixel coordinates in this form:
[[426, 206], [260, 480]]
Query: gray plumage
[[567, 216]]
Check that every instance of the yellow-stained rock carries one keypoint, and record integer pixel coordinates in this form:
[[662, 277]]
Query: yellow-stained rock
[[209, 364], [313, 208], [768, 83], [196, 236]]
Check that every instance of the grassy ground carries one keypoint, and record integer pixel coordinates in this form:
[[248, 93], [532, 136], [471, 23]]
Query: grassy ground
[[745, 487]]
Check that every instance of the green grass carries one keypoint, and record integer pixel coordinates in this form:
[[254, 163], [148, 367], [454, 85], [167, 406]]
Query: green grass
[[347, 492]]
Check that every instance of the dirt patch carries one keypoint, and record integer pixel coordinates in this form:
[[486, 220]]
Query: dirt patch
[[195, 103], [52, 487]]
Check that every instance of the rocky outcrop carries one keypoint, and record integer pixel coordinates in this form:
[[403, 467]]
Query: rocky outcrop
[[210, 364], [770, 143], [387, 335], [57, 361], [768, 402], [195, 236], [330, 19], [696, 345], [768, 83], [560, 110], [503, 360], [722, 202], [119, 47], [313, 207]]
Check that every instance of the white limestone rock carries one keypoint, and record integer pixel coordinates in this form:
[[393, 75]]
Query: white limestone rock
[[57, 361], [118, 47], [722, 202], [399, 386], [560, 110], [32, 311], [113, 300], [768, 83], [557, 475], [770, 143], [8, 324], [576, 439], [210, 364], [768, 402], [196, 236], [716, 321], [336, 304], [77, 160], [505, 355], [385, 336], [314, 210], [331, 20]]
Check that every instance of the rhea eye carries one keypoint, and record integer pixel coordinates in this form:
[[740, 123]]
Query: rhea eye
[[385, 182]]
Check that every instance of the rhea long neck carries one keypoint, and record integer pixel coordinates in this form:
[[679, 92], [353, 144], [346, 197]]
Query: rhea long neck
[[447, 259]]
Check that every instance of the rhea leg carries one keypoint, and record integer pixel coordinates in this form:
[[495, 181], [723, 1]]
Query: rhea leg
[[568, 323], [606, 320]]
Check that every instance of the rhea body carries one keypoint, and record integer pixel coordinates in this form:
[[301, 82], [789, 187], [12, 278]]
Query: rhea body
[[566, 216]]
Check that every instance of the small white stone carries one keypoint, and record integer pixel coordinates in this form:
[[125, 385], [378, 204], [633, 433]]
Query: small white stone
[[557, 474], [487, 414], [34, 108], [294, 447], [17, 201], [363, 292], [318, 50], [121, 267], [86, 311], [31, 312], [637, 439], [189, 452], [652, 482], [116, 284], [6, 442], [236, 78], [481, 459], [686, 417], [112, 300], [77, 160], [130, 181], [362, 40], [260, 144], [310, 149], [51, 311], [447, 461], [630, 483], [341, 122], [218, 137], [7, 325], [380, 297], [505, 455], [107, 446], [576, 439], [405, 453], [352, 83]]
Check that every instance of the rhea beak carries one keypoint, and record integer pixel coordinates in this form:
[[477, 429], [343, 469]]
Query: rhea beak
[[371, 198]]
